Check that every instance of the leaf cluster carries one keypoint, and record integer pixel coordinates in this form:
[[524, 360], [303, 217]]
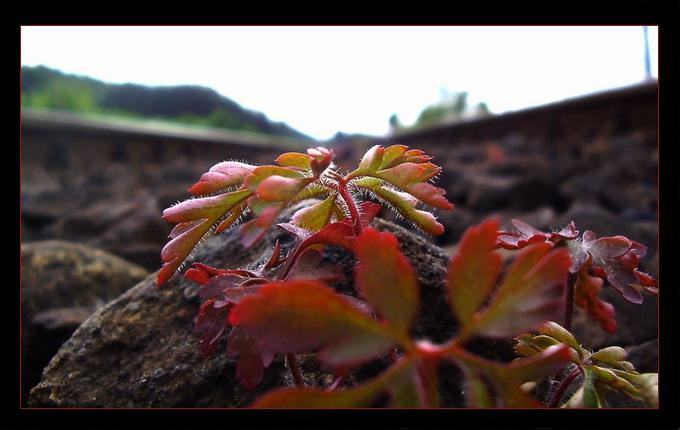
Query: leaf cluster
[[288, 305], [594, 260]]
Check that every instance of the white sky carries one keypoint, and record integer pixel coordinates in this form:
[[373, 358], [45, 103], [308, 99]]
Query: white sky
[[321, 80]]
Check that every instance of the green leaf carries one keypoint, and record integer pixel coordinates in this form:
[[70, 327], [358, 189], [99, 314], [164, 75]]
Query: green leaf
[[370, 162], [317, 216], [590, 397], [561, 334], [611, 355], [294, 159]]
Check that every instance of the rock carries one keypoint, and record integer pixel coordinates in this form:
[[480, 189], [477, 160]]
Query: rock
[[489, 193], [529, 191], [145, 254], [544, 218], [139, 350], [645, 356], [590, 216], [43, 209], [95, 219], [61, 285], [455, 223]]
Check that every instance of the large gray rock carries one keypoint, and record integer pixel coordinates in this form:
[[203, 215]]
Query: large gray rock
[[63, 283]]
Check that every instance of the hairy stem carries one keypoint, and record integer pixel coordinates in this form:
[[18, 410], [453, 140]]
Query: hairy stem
[[295, 370], [569, 301], [562, 388], [354, 212], [334, 386]]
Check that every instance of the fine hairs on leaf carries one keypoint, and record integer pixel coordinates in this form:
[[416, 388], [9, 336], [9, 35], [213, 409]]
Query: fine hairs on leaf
[[288, 306]]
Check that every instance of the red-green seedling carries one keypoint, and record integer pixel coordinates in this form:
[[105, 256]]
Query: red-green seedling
[[287, 306], [593, 260]]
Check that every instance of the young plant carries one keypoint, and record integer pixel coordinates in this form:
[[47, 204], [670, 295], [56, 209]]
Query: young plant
[[601, 372], [594, 260], [286, 306]]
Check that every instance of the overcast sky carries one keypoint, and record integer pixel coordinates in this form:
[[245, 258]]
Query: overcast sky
[[321, 80]]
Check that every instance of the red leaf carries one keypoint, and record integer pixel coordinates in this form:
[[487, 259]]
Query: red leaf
[[493, 384], [386, 279], [397, 380], [430, 195], [315, 398], [532, 292], [216, 285], [279, 188], [623, 279], [178, 249], [253, 231], [236, 294], [308, 266], [212, 271], [368, 211], [321, 158], [275, 259], [586, 295], [411, 178], [196, 275], [250, 365], [648, 282], [211, 325], [205, 207], [473, 272], [609, 247], [196, 218], [617, 258], [260, 173], [526, 235], [337, 233], [221, 175], [302, 316]]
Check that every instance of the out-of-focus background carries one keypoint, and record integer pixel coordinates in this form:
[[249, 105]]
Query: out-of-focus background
[[545, 124]]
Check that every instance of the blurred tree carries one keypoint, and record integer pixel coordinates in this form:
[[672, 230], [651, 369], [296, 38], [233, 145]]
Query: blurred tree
[[395, 124], [453, 106]]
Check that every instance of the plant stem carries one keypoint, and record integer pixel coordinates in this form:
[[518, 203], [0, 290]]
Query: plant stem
[[339, 380], [354, 212], [569, 301], [295, 370], [564, 384]]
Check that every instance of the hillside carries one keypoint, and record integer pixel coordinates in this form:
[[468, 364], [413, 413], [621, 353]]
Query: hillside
[[46, 88]]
